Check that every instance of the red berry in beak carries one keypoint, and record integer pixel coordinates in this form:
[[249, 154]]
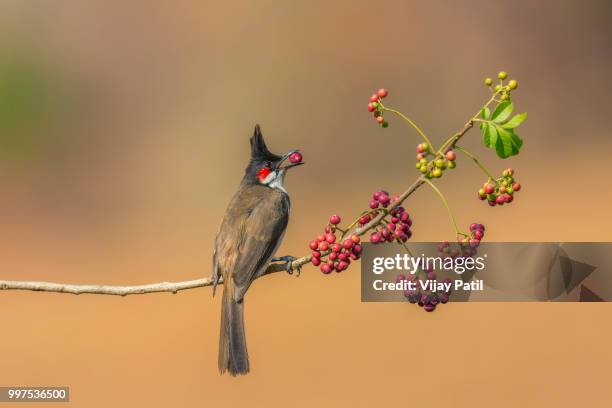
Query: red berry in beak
[[295, 157]]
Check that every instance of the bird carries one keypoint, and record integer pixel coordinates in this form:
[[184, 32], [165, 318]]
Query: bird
[[252, 229]]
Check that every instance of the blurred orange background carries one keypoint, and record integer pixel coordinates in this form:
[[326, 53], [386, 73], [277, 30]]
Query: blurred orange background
[[124, 132]]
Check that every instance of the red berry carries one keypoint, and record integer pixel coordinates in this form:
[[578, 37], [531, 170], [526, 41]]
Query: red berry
[[450, 155], [347, 243], [331, 238], [509, 198], [365, 219], [478, 235], [516, 187], [323, 246], [342, 265], [491, 203], [489, 188], [371, 107], [316, 261], [382, 93], [373, 204], [374, 98], [384, 199], [355, 238], [295, 157], [336, 247], [313, 245], [375, 238], [333, 256], [325, 268], [321, 238], [316, 254], [357, 249], [500, 200], [334, 219]]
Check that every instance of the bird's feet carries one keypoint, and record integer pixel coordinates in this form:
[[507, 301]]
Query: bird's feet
[[288, 260]]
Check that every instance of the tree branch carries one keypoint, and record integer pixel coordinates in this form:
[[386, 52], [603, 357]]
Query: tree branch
[[174, 287]]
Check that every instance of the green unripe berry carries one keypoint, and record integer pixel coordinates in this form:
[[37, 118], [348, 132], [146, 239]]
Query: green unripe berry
[[502, 75], [505, 173], [509, 190], [428, 175], [510, 180], [488, 82], [425, 147], [482, 193], [437, 173], [451, 164], [498, 88], [512, 84], [423, 161], [440, 163], [505, 97], [418, 165], [375, 105], [504, 183], [385, 124], [491, 197]]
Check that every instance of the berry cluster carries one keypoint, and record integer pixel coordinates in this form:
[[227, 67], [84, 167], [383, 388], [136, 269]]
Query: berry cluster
[[465, 247], [504, 90], [434, 166], [427, 299], [500, 191], [397, 228], [338, 254], [376, 106]]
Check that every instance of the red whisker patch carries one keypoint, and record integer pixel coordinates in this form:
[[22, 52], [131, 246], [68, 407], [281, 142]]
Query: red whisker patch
[[263, 173]]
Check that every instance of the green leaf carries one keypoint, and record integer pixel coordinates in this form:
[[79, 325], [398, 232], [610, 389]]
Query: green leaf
[[489, 135], [515, 121], [502, 112], [485, 113], [508, 143]]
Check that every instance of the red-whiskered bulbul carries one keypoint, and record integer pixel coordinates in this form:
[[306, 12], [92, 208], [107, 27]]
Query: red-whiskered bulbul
[[250, 233]]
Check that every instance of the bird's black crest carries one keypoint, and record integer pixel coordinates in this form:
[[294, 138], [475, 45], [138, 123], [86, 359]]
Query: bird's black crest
[[259, 150]]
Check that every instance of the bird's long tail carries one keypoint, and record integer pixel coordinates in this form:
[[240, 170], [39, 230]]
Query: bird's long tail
[[233, 355]]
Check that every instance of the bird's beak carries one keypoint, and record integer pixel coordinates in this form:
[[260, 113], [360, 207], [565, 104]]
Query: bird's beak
[[286, 166]]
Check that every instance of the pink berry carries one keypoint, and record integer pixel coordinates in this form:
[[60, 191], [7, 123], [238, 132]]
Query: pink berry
[[489, 188], [336, 247], [450, 155], [420, 156], [325, 268], [375, 238], [365, 219], [382, 93], [331, 238], [357, 249], [295, 157], [323, 246], [313, 245], [516, 187], [380, 119], [373, 204], [500, 200], [334, 219], [321, 238], [374, 98], [316, 261], [342, 265], [371, 107], [316, 254], [347, 244], [333, 256], [478, 235]]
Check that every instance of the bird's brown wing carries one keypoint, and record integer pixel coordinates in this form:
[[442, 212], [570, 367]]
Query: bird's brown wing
[[249, 238]]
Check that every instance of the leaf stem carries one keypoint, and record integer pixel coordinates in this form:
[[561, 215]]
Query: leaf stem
[[471, 156], [407, 119], [448, 209]]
